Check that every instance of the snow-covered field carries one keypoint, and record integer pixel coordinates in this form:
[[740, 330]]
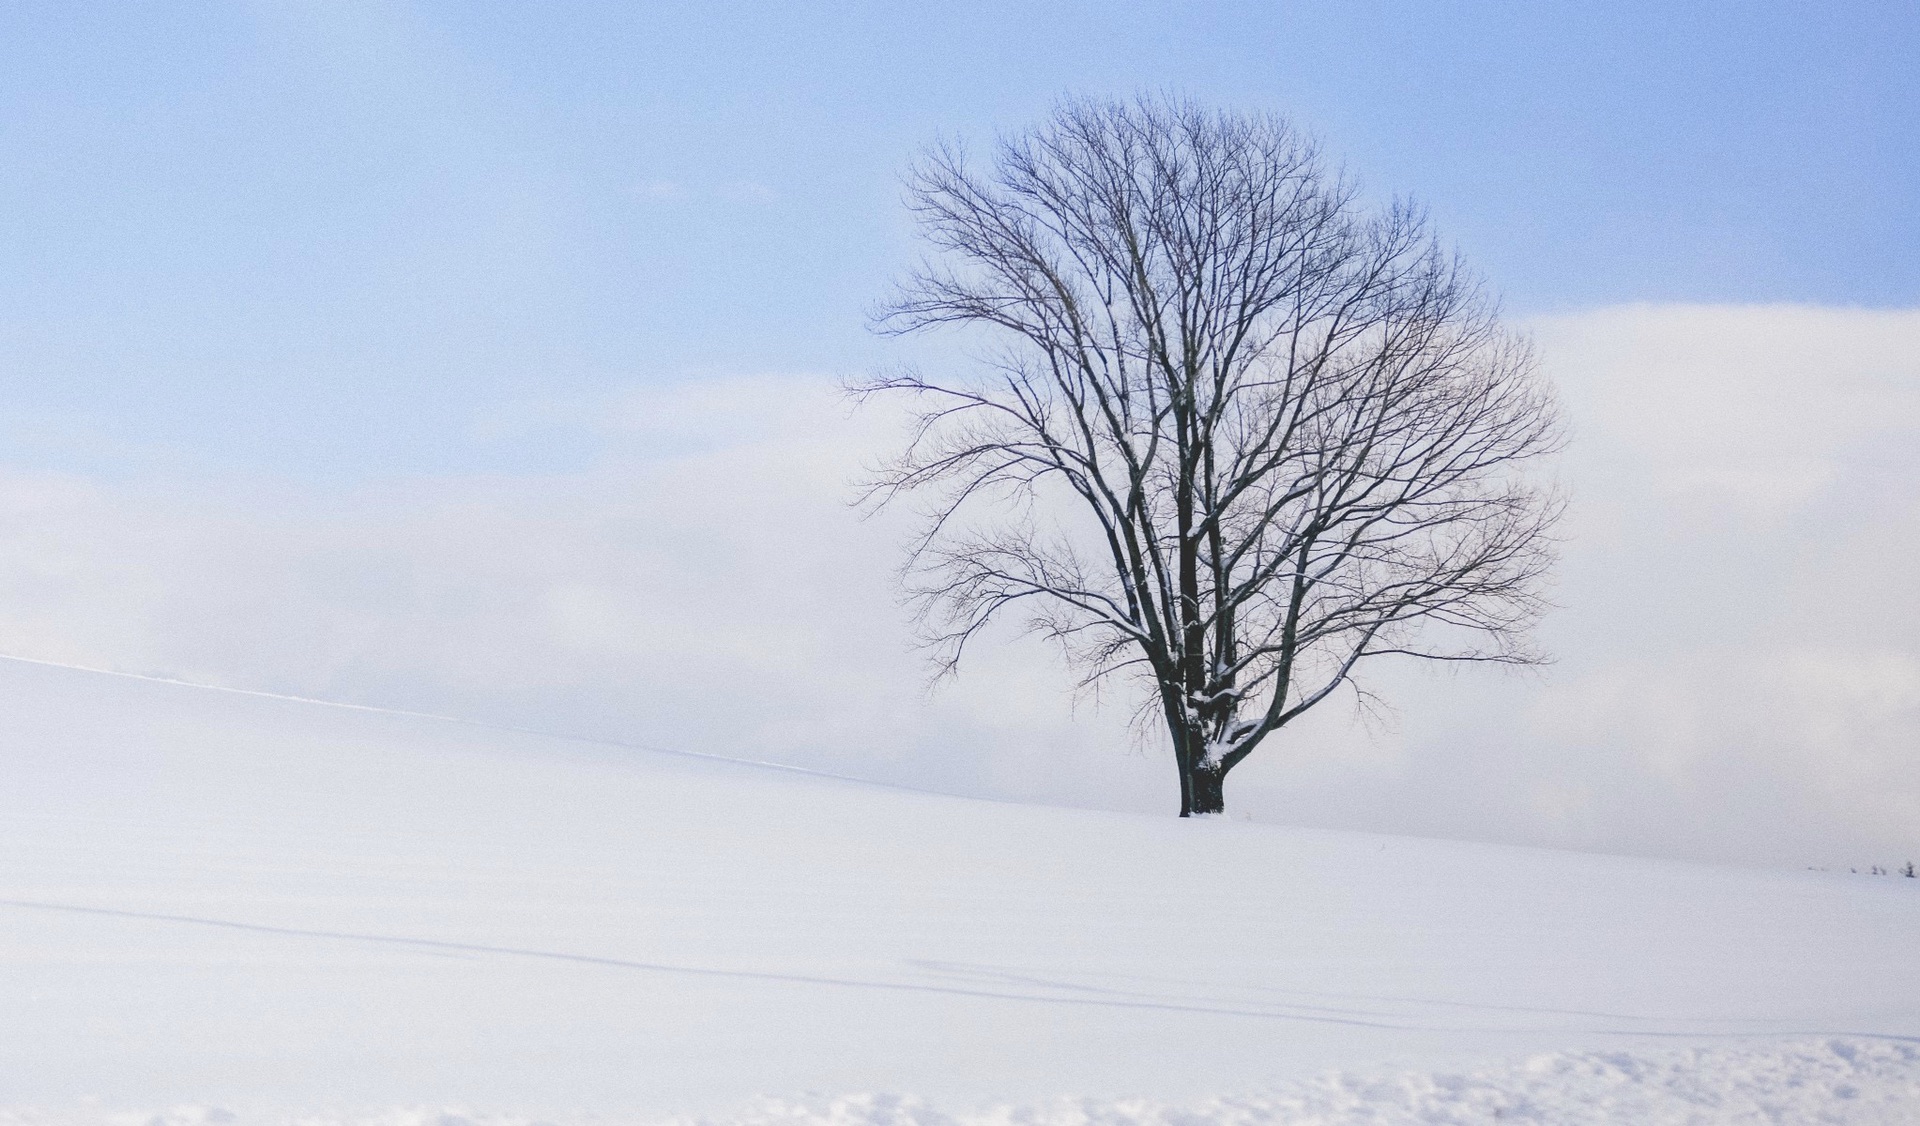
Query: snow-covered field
[[221, 907]]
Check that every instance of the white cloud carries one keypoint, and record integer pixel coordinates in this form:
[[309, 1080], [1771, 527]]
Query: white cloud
[[1739, 638], [708, 586], [1758, 409]]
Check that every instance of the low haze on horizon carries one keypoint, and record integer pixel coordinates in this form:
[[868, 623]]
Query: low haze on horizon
[[449, 356]]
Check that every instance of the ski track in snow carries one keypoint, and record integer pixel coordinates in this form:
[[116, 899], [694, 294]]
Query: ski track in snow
[[1850, 1082]]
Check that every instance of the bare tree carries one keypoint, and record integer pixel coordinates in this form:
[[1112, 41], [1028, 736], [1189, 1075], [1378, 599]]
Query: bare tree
[[1227, 429]]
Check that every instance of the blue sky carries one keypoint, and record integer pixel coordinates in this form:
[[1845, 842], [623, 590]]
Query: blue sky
[[477, 358], [337, 241]]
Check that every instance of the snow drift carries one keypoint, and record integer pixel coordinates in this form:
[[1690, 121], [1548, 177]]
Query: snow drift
[[251, 908]]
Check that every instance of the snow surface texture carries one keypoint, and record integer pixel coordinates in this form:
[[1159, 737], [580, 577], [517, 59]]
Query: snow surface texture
[[259, 910], [1837, 1081]]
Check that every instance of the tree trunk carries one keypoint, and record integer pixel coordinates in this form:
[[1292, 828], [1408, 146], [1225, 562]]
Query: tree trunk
[[1204, 790]]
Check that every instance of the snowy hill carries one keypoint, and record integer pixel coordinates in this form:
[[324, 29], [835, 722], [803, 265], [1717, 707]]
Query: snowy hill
[[271, 907]]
